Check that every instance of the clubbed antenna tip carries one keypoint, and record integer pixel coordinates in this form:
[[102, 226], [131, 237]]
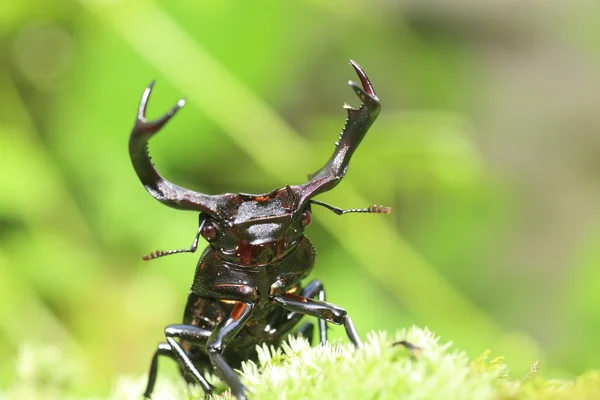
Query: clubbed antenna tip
[[375, 209]]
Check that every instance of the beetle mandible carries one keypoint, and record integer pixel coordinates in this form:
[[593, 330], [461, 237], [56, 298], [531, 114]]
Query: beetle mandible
[[247, 286]]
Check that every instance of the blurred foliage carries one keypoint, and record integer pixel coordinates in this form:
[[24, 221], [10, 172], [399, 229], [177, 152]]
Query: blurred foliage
[[300, 371], [486, 148]]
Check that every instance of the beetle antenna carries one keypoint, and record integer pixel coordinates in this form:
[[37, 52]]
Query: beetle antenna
[[192, 249], [374, 209]]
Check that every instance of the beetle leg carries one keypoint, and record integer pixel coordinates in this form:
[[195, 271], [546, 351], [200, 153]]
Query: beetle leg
[[307, 331], [220, 338], [193, 334], [414, 350], [315, 288], [322, 310], [163, 350]]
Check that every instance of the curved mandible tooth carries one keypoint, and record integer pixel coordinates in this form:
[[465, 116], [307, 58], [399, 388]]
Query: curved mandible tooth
[[160, 188], [151, 127], [356, 126], [366, 83]]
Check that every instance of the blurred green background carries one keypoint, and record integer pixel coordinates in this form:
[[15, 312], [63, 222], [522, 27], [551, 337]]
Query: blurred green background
[[487, 148]]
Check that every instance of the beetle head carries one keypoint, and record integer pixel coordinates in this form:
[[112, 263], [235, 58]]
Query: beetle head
[[257, 229]]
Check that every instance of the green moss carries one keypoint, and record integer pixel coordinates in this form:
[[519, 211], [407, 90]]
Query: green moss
[[378, 371]]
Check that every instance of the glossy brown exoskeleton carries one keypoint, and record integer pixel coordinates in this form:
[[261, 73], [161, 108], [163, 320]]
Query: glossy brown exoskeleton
[[247, 287]]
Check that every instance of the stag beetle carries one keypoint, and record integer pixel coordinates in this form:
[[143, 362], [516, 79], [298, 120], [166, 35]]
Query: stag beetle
[[247, 287]]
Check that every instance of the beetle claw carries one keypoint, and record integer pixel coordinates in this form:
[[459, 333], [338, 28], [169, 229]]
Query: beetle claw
[[144, 126], [357, 123], [363, 79]]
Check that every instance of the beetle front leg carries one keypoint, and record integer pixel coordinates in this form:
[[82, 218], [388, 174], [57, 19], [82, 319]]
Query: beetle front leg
[[306, 330], [192, 334], [315, 288], [322, 310], [220, 338], [163, 350]]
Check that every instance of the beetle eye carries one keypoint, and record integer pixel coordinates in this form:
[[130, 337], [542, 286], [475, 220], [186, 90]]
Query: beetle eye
[[209, 232], [306, 217]]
